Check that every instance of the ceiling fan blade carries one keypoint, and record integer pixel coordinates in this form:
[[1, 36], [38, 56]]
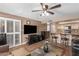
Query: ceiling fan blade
[[36, 10], [50, 12], [46, 6], [56, 6], [42, 5]]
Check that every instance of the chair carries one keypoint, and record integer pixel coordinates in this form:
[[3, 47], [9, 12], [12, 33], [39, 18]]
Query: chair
[[55, 38], [65, 41], [4, 49]]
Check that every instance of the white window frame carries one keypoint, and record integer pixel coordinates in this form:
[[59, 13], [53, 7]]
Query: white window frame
[[14, 20]]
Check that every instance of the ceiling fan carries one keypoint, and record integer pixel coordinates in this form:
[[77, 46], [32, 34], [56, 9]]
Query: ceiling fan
[[46, 9]]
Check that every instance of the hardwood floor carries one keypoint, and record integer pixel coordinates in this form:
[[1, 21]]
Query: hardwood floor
[[30, 48], [67, 50]]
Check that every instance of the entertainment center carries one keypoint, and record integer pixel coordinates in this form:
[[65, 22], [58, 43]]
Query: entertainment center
[[34, 38]]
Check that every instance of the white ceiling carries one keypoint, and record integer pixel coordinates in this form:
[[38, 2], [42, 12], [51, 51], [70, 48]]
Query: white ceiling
[[66, 11]]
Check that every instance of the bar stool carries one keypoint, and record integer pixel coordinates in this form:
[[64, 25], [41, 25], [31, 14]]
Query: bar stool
[[65, 41], [55, 37]]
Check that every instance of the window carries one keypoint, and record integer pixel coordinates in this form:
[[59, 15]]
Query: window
[[10, 39], [17, 38], [12, 28], [9, 26], [2, 26]]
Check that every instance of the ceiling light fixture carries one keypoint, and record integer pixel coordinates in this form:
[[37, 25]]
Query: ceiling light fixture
[[28, 21], [44, 13]]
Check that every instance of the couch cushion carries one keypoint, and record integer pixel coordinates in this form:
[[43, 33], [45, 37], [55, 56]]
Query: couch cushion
[[4, 48]]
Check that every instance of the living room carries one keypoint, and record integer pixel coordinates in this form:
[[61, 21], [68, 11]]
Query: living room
[[39, 29]]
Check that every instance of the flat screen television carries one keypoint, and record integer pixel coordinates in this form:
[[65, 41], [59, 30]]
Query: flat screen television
[[3, 40], [30, 29]]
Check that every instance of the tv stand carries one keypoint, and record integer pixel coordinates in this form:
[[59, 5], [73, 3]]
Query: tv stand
[[34, 38]]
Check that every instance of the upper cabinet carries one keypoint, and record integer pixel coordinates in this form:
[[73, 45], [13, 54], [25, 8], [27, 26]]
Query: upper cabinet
[[75, 26]]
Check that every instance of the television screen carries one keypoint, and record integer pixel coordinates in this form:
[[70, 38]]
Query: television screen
[[3, 39], [30, 29]]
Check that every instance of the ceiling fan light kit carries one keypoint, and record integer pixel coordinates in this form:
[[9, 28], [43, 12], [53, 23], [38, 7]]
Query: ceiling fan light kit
[[44, 13]]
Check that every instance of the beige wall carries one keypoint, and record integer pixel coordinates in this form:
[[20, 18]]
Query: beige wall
[[54, 27], [40, 27]]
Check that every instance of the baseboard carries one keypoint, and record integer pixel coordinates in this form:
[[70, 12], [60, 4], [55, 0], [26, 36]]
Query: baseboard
[[23, 43]]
